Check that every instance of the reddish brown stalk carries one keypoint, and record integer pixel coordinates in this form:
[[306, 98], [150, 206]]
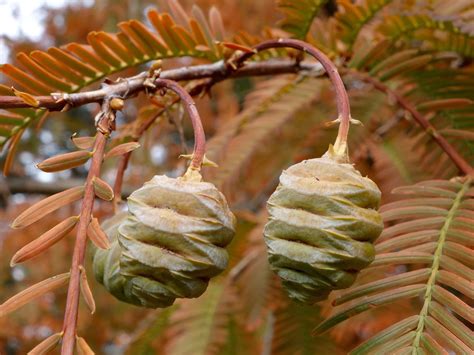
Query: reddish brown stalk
[[342, 99], [123, 164], [422, 121], [72, 302], [124, 159], [199, 136]]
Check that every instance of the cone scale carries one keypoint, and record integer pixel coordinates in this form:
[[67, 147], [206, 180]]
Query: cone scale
[[168, 245], [322, 225]]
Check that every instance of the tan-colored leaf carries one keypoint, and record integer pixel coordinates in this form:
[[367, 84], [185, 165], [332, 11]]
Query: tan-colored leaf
[[408, 65], [431, 345], [451, 300], [32, 292], [445, 336], [457, 133], [365, 303], [46, 345], [217, 26], [83, 142], [97, 235], [105, 54], [86, 70], [163, 24], [393, 332], [389, 282], [178, 12], [102, 189], [27, 98], [237, 47], [24, 79], [48, 205], [450, 321], [392, 60], [86, 291], [14, 142], [202, 22], [45, 241], [122, 149], [82, 347], [65, 161], [202, 48], [444, 104]]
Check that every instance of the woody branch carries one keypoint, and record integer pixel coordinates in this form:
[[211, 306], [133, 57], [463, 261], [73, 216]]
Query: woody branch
[[219, 71], [131, 86]]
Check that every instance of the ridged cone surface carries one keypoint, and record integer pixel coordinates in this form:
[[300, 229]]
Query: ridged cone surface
[[169, 244], [323, 221]]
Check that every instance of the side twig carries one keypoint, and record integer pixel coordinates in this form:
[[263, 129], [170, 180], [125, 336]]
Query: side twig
[[72, 302], [422, 121]]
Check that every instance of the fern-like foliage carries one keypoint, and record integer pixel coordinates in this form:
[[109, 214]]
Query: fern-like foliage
[[259, 293], [153, 330], [446, 96], [438, 34], [448, 103], [74, 66], [299, 15], [289, 328], [391, 163], [352, 17], [202, 326], [432, 241]]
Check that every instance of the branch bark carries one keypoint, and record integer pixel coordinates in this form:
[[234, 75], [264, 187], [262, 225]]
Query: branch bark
[[131, 86], [221, 70]]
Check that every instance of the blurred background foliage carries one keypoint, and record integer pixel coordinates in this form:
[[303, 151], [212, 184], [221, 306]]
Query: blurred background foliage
[[273, 122]]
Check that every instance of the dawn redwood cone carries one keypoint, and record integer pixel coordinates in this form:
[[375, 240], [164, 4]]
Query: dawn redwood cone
[[323, 221], [169, 244]]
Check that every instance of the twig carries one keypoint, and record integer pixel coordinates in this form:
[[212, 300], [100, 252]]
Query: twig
[[123, 164], [342, 98], [422, 121], [124, 159], [131, 86], [199, 136], [72, 302]]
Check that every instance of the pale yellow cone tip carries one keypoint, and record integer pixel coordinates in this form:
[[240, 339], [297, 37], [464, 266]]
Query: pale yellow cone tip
[[192, 174], [338, 152], [205, 161]]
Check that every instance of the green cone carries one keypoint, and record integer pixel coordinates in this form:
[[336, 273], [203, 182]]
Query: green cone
[[169, 244], [323, 221]]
